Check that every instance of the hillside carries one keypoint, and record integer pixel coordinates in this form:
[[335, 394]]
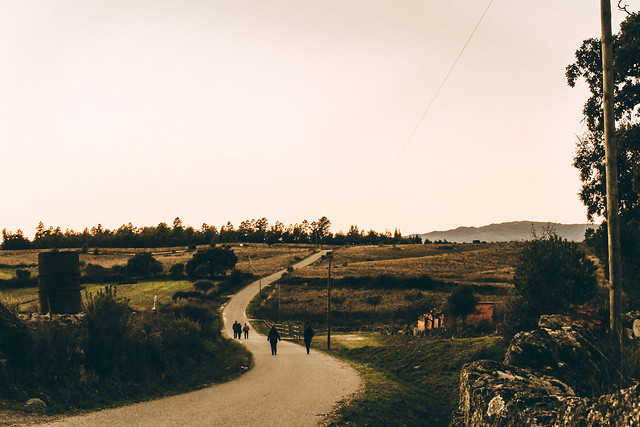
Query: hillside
[[508, 231]]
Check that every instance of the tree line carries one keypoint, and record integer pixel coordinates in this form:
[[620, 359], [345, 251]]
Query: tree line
[[164, 235]]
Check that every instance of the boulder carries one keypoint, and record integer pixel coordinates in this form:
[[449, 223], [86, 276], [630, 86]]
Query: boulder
[[495, 394], [550, 376], [562, 349]]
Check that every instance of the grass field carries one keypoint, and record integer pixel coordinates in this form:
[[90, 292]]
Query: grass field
[[378, 301], [255, 258], [475, 264], [140, 295], [409, 381]]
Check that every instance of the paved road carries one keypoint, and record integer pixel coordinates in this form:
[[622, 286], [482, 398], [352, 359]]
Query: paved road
[[290, 389]]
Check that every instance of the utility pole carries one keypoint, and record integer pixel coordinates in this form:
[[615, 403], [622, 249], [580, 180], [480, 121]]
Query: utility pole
[[613, 222], [329, 257]]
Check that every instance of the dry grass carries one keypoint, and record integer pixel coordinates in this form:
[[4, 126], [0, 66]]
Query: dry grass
[[461, 263], [264, 259]]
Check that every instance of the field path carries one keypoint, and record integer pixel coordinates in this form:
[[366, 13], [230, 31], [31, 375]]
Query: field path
[[290, 389]]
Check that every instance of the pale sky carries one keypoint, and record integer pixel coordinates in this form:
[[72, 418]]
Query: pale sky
[[141, 111]]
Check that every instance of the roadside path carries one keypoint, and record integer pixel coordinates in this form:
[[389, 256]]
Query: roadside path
[[290, 389]]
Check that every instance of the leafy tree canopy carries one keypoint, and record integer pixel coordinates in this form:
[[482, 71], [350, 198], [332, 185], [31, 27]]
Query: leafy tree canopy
[[211, 263], [589, 157], [461, 302], [552, 273]]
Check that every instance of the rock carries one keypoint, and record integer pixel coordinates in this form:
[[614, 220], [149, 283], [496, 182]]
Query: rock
[[35, 405], [495, 394], [617, 409], [550, 377], [562, 349]]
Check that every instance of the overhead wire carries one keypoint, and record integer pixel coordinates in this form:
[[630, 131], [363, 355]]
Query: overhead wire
[[433, 99]]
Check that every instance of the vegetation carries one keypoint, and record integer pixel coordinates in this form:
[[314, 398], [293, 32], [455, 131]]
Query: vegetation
[[551, 276], [113, 355], [590, 159], [252, 231], [408, 380], [211, 263], [461, 302]]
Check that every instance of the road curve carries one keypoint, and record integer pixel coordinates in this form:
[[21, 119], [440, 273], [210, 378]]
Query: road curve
[[290, 389]]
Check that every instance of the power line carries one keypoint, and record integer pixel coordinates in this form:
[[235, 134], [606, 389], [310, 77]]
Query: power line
[[415, 129]]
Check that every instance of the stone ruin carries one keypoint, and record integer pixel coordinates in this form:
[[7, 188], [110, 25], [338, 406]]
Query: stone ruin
[[552, 376]]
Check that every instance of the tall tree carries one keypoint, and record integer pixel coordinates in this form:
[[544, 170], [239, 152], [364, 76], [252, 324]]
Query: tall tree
[[590, 153], [589, 158]]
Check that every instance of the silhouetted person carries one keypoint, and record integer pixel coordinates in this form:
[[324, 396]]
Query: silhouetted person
[[273, 339], [237, 330], [308, 336], [245, 329]]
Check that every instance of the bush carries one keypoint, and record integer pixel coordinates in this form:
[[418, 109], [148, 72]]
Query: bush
[[211, 263], [206, 286], [176, 270], [144, 265], [108, 321], [23, 273], [461, 302], [551, 274]]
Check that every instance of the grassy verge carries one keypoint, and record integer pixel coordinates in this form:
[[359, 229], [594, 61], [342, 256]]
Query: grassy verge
[[408, 380]]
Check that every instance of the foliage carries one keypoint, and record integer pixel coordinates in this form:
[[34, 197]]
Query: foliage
[[411, 380], [163, 235], [589, 158], [144, 265], [14, 241], [629, 254], [23, 273], [211, 263], [114, 355], [205, 286], [461, 302], [176, 270], [108, 321], [550, 275]]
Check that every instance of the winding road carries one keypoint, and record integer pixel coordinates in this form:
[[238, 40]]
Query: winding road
[[290, 389]]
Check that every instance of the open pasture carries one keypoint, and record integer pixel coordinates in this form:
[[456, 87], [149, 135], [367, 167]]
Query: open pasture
[[474, 264], [254, 258]]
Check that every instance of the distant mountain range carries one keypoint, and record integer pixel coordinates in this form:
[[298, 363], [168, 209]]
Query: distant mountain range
[[508, 231]]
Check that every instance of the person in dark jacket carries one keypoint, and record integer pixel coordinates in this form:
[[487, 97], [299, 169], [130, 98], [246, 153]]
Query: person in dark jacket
[[245, 329], [273, 339], [308, 336], [237, 330]]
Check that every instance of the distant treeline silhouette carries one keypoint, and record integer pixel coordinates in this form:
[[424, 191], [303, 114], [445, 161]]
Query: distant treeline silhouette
[[163, 235]]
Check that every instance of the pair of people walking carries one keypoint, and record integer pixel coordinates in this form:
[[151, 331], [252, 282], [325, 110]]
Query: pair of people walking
[[238, 330], [273, 337]]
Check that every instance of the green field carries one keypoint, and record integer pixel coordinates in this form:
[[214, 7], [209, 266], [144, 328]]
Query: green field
[[408, 380], [140, 295]]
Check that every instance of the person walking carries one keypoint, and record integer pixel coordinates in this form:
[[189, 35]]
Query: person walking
[[273, 339], [308, 336], [245, 329], [237, 330]]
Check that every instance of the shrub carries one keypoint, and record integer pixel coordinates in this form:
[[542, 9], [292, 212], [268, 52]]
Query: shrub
[[108, 321], [551, 274], [211, 263], [144, 265], [205, 286], [176, 270], [23, 273], [461, 302]]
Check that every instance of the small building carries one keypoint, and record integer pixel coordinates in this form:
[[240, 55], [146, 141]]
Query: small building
[[437, 319]]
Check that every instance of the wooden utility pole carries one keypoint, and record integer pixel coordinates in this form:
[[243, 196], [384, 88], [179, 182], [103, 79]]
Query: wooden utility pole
[[613, 222], [329, 257]]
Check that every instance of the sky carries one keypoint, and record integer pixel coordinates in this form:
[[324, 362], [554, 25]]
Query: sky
[[212, 111]]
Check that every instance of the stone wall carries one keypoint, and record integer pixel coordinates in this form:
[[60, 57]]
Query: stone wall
[[553, 376]]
